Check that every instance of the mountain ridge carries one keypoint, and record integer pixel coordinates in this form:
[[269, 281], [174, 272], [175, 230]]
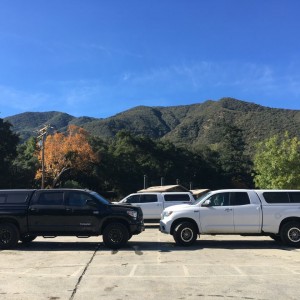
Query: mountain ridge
[[185, 125]]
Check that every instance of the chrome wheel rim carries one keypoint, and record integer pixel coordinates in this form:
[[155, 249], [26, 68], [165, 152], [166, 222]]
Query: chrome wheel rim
[[294, 234], [187, 234]]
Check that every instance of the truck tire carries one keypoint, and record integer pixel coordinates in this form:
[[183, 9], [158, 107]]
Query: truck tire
[[290, 234], [27, 238], [9, 236], [115, 235], [185, 234]]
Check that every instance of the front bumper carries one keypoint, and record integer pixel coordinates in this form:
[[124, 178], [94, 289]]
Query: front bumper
[[164, 226], [137, 228]]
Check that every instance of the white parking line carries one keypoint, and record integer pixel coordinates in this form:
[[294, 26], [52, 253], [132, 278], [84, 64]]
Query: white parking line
[[131, 274]]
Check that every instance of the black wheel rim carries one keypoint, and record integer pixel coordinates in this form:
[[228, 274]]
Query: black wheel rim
[[5, 236], [115, 236]]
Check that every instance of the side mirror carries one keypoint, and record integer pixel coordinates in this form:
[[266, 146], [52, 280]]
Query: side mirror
[[206, 203]]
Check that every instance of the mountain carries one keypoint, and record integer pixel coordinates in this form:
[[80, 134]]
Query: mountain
[[191, 125], [26, 124]]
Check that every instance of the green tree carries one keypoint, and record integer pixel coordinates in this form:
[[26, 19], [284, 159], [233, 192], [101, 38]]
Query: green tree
[[129, 158], [232, 161], [26, 164], [125, 156], [277, 163], [8, 145]]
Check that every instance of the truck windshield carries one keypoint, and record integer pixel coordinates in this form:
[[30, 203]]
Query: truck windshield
[[202, 198], [100, 198]]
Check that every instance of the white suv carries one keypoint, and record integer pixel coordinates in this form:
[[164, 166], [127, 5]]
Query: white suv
[[152, 204]]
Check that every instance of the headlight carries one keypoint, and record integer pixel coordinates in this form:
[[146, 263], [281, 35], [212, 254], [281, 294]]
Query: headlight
[[166, 214], [132, 213]]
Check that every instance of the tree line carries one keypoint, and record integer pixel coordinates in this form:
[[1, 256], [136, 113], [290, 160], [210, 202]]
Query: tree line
[[120, 166]]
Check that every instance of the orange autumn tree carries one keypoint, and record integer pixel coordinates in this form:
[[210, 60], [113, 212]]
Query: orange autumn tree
[[64, 152]]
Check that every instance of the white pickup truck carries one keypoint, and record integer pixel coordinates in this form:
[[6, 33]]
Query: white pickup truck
[[152, 204], [275, 213]]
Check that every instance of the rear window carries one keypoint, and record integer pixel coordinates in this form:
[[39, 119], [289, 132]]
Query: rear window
[[177, 197], [239, 198], [52, 198], [294, 197], [276, 197], [12, 198]]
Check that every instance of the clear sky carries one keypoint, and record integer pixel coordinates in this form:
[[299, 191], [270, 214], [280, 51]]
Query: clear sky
[[100, 57]]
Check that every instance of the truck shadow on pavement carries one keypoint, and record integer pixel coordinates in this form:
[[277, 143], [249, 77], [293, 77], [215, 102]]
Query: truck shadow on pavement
[[139, 247], [202, 244]]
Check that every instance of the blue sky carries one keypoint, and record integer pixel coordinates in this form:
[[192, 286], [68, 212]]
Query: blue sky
[[100, 57]]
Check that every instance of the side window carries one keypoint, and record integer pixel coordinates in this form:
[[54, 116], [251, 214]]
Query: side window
[[17, 198], [294, 197], [221, 199], [148, 198], [177, 197], [54, 198], [133, 199], [78, 199], [12, 198], [239, 198], [2, 198], [276, 197]]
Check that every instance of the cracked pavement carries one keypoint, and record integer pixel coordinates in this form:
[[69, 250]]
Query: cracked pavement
[[151, 266]]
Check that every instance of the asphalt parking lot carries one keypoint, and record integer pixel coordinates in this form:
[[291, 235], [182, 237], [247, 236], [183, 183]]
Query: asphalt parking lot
[[151, 266]]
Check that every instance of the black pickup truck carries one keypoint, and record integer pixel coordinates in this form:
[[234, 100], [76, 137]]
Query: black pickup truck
[[26, 214]]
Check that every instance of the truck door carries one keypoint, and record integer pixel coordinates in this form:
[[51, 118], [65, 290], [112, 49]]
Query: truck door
[[150, 206], [80, 217], [218, 216], [247, 214], [47, 212]]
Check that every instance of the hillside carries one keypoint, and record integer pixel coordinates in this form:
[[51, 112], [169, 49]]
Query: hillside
[[26, 124], [191, 125]]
